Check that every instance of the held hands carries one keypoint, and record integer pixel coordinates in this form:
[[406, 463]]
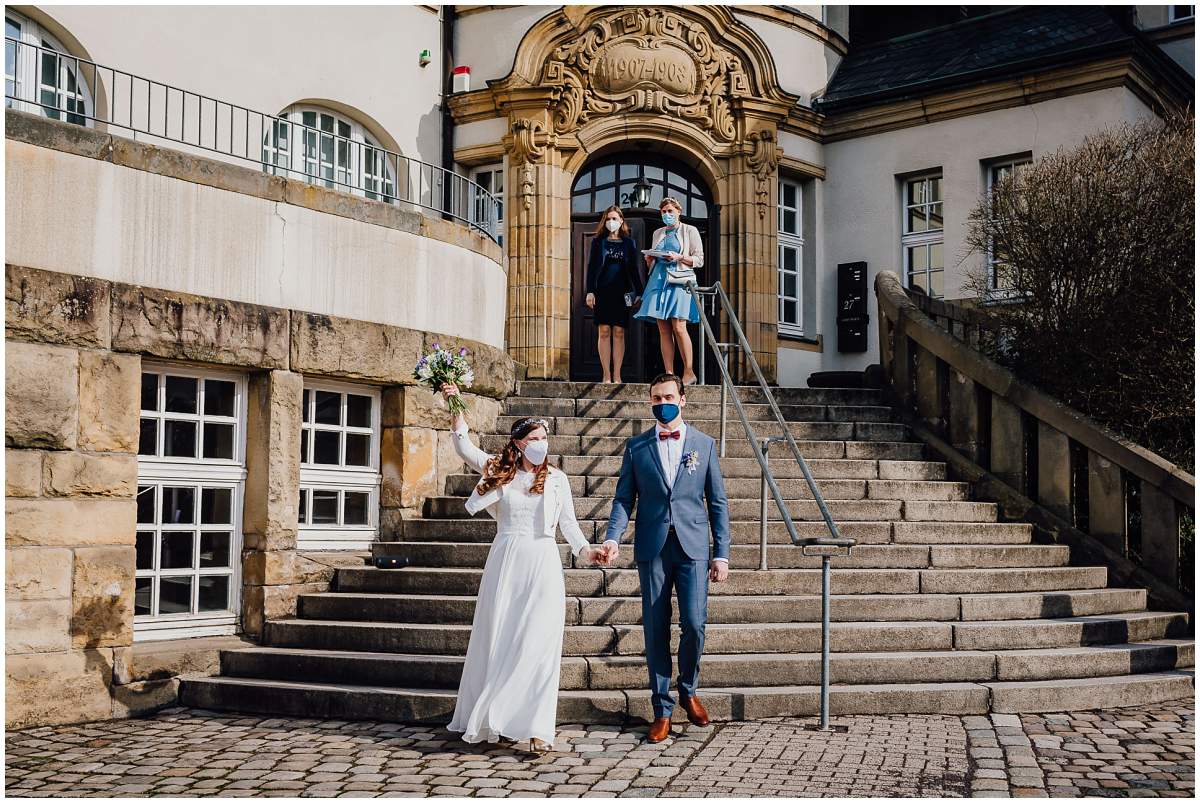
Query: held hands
[[450, 389], [718, 571], [591, 300]]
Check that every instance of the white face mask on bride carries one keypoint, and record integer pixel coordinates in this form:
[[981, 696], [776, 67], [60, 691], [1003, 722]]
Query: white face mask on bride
[[535, 451]]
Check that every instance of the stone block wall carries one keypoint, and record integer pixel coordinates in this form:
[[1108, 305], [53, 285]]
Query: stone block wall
[[74, 352]]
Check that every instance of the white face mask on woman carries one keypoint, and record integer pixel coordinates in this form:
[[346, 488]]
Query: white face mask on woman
[[535, 451], [612, 225]]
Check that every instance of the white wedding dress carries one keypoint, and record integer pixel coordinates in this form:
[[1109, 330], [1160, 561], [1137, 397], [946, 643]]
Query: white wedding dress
[[509, 684]]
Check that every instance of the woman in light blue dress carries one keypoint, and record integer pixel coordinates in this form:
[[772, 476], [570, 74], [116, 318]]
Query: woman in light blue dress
[[672, 305]]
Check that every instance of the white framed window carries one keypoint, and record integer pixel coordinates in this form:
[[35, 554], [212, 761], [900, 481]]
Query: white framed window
[[322, 147], [997, 171], [791, 258], [40, 75], [922, 240], [191, 480], [491, 179], [1181, 13], [339, 466]]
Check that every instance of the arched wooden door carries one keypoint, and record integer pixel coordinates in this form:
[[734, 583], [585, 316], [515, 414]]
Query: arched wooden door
[[610, 180]]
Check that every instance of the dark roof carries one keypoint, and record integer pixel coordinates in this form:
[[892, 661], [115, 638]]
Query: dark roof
[[969, 50]]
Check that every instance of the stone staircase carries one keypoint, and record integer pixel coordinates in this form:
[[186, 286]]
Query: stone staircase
[[940, 609]]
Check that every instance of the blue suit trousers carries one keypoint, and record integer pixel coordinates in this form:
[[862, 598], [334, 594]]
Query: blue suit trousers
[[673, 569]]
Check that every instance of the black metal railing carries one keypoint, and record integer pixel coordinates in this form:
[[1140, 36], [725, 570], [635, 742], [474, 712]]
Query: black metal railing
[[68, 88]]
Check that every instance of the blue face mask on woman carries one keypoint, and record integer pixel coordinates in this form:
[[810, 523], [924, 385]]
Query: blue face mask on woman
[[669, 218]]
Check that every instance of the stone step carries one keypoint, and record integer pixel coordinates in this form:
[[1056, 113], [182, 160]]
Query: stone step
[[751, 488], [779, 556], [782, 467], [628, 426], [706, 417], [483, 529], [640, 392], [745, 609], [629, 672], [624, 582], [757, 637], [588, 446], [627, 639], [347, 702], [1113, 628], [599, 508]]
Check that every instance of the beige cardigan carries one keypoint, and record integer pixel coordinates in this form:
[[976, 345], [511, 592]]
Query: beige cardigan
[[689, 240]]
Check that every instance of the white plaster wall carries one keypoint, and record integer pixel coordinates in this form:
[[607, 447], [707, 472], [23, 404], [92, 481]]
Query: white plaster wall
[[802, 64], [269, 57], [860, 203], [88, 217], [487, 41]]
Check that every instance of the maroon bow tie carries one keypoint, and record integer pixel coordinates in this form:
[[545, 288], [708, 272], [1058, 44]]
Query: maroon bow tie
[[662, 436]]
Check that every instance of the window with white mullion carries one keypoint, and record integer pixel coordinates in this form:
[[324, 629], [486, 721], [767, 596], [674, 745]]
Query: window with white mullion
[[490, 179], [997, 172], [191, 476], [1181, 13], [321, 147], [923, 235], [339, 465], [791, 257], [41, 76]]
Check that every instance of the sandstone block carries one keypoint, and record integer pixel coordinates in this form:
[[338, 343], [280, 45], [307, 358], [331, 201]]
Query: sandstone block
[[144, 697], [69, 522], [321, 344], [270, 516], [109, 397], [102, 614], [41, 396], [45, 307], [80, 474], [182, 326], [409, 466], [37, 625], [22, 472], [415, 406], [37, 573], [493, 368], [57, 688]]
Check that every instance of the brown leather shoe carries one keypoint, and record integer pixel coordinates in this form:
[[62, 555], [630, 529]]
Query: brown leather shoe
[[695, 711], [660, 729]]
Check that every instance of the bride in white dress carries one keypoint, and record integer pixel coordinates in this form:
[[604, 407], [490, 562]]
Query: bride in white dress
[[509, 686]]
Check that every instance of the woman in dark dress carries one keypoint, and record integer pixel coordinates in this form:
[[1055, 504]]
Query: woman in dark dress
[[612, 273]]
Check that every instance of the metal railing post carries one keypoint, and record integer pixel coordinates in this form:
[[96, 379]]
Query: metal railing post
[[825, 641], [762, 512], [724, 349]]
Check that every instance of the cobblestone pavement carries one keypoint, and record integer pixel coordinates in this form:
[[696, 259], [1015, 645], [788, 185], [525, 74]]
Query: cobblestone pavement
[[1143, 751]]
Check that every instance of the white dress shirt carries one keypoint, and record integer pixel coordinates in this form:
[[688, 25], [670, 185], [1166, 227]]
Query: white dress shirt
[[670, 451]]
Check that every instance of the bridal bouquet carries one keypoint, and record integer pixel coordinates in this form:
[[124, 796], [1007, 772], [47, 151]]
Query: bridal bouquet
[[443, 365]]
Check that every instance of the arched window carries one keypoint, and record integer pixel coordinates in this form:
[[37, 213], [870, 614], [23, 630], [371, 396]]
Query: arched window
[[40, 76], [322, 147], [611, 180]]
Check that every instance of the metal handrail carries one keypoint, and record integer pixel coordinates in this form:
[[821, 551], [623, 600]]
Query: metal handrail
[[277, 145], [831, 544]]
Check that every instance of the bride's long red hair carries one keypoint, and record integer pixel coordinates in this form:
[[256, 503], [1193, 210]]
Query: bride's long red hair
[[501, 469]]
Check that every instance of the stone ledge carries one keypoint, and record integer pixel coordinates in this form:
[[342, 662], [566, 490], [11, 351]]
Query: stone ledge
[[160, 660], [165, 161], [40, 308]]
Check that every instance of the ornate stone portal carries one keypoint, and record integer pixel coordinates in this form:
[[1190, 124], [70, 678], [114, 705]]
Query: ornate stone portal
[[693, 82]]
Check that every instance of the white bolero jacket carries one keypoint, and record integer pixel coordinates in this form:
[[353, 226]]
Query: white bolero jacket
[[557, 509], [690, 242]]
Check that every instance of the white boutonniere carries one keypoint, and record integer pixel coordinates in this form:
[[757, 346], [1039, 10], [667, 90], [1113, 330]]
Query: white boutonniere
[[691, 460]]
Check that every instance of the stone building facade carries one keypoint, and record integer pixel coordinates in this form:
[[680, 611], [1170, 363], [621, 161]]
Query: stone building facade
[[209, 402]]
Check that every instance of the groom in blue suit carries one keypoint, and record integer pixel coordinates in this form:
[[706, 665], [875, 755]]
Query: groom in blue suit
[[672, 473]]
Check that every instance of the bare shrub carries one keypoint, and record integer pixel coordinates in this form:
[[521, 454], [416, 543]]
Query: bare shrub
[[1095, 251]]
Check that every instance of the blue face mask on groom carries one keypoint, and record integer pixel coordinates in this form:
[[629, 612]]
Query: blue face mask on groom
[[665, 413]]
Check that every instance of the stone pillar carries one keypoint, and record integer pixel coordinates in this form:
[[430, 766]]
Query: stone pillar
[[270, 513], [1008, 444], [1054, 471], [539, 248], [929, 389], [1107, 518], [71, 429], [1160, 534], [964, 415], [417, 454], [749, 270]]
